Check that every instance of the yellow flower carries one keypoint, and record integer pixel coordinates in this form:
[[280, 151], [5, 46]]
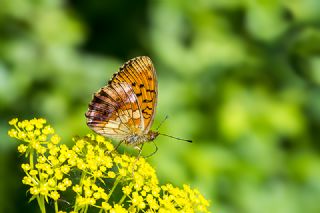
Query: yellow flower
[[34, 191], [13, 121], [126, 190], [13, 133], [109, 147], [25, 166], [33, 172], [136, 199], [55, 139], [54, 195], [37, 132], [111, 174], [152, 202], [67, 182], [61, 187], [97, 174], [52, 182], [122, 172], [118, 209], [22, 135], [100, 139], [91, 201], [96, 195], [58, 174], [42, 138], [42, 159], [65, 169], [77, 188], [48, 130], [39, 123], [101, 177], [27, 180], [29, 127], [106, 206], [22, 148], [102, 168]]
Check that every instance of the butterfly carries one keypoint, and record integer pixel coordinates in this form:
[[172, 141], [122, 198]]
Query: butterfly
[[125, 108]]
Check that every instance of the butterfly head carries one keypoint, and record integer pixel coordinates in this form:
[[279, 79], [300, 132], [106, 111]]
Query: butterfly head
[[152, 135]]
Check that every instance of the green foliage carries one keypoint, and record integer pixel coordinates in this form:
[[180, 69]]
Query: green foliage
[[239, 78]]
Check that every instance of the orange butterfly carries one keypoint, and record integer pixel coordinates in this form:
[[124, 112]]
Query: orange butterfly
[[124, 110]]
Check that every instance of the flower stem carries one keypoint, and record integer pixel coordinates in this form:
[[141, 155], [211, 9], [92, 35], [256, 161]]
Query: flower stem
[[122, 199], [40, 200], [113, 187], [56, 209], [31, 159], [75, 207], [86, 209]]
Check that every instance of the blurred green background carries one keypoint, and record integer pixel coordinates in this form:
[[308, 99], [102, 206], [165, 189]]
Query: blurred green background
[[239, 77]]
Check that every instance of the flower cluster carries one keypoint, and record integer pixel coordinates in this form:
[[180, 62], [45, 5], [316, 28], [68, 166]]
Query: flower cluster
[[96, 175]]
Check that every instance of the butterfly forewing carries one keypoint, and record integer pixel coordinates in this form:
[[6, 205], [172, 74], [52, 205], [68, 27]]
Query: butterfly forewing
[[141, 75]]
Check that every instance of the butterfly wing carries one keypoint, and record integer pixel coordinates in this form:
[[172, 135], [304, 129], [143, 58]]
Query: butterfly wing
[[141, 75], [114, 111]]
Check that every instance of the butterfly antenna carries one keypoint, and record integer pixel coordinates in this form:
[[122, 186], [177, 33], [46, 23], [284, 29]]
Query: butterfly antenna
[[181, 139], [162, 122]]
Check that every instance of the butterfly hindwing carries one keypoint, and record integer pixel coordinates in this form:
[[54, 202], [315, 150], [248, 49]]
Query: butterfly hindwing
[[114, 111]]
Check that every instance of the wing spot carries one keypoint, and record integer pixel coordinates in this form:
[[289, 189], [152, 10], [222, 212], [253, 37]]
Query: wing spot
[[139, 94], [144, 111], [136, 114], [146, 117], [133, 84], [141, 85], [146, 101], [102, 93]]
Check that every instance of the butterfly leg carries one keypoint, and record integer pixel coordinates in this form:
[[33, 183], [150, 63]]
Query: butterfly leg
[[137, 158], [118, 145], [115, 149], [154, 152], [140, 150]]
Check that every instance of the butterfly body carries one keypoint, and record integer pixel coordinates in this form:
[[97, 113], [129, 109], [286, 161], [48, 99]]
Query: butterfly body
[[137, 139], [124, 110]]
